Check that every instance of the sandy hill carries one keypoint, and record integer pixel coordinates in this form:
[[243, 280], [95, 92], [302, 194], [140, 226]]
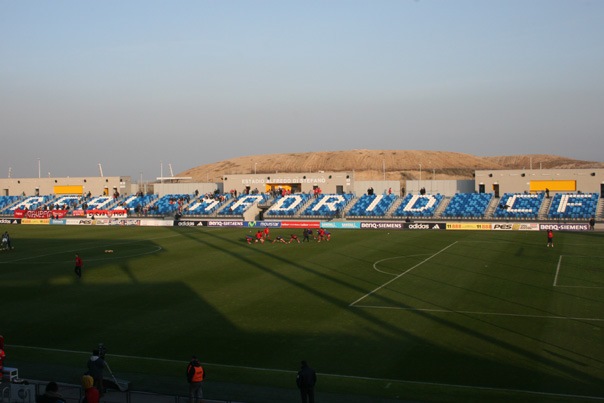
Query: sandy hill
[[371, 164]]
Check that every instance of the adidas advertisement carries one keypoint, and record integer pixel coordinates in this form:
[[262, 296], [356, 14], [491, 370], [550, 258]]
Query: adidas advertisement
[[425, 225]]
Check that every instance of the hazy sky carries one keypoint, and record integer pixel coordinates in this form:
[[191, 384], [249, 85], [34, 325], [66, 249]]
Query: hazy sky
[[134, 84]]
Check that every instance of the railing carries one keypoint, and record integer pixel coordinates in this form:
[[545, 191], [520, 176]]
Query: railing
[[21, 392]]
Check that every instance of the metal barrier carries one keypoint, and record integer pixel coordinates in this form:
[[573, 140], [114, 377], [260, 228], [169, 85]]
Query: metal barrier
[[74, 394]]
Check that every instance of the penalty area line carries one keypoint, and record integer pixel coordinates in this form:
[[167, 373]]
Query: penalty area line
[[402, 274]]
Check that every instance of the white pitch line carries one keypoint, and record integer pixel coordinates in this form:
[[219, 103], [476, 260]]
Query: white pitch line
[[392, 258], [518, 315], [557, 271], [91, 247], [402, 274], [401, 381]]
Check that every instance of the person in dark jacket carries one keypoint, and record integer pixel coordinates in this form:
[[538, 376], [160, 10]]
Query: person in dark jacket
[[96, 365], [306, 380], [51, 394], [195, 376]]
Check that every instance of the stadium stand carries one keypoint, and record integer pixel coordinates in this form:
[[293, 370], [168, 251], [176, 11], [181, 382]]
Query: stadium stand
[[30, 203], [169, 204], [468, 205], [522, 206], [205, 205], [418, 206], [239, 206], [372, 205], [328, 205], [573, 206], [8, 201], [288, 205], [138, 204]]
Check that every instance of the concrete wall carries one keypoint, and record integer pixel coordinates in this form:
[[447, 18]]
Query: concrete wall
[[444, 187], [379, 187], [97, 186], [163, 189], [329, 182], [523, 180]]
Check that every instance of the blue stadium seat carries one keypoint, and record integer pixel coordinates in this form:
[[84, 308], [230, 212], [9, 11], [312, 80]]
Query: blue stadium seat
[[239, 206], [573, 206], [468, 205], [519, 206], [418, 205], [328, 205], [372, 205], [205, 205], [288, 205]]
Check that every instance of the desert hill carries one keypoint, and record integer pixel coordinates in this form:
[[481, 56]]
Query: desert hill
[[371, 164]]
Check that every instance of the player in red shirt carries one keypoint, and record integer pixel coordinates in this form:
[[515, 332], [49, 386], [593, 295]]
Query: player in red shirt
[[550, 238], [294, 238], [78, 266], [259, 236]]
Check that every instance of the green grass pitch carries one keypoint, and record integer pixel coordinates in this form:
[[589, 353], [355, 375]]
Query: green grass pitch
[[418, 315]]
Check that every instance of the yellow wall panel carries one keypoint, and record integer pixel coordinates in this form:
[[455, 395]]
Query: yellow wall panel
[[554, 186], [69, 190]]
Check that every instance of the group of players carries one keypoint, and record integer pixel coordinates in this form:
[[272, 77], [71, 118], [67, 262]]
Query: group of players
[[263, 236]]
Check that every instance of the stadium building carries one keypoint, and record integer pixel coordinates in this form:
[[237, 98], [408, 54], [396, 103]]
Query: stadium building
[[537, 195]]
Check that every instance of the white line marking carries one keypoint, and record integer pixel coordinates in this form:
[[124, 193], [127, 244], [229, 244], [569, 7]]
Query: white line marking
[[572, 286], [402, 274], [448, 385], [92, 247], [518, 315], [392, 258], [557, 271]]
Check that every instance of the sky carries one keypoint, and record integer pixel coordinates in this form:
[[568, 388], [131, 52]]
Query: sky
[[139, 86]]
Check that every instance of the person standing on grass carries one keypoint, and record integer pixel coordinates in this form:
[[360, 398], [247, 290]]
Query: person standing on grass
[[96, 365], [78, 266], [306, 380], [550, 238], [6, 240], [195, 376]]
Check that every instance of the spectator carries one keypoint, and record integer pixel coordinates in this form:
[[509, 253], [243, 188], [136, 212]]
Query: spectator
[[91, 393], [195, 376], [51, 394], [306, 380], [96, 365]]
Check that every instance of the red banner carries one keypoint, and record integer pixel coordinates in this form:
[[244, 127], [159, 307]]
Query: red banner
[[104, 213], [40, 214]]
